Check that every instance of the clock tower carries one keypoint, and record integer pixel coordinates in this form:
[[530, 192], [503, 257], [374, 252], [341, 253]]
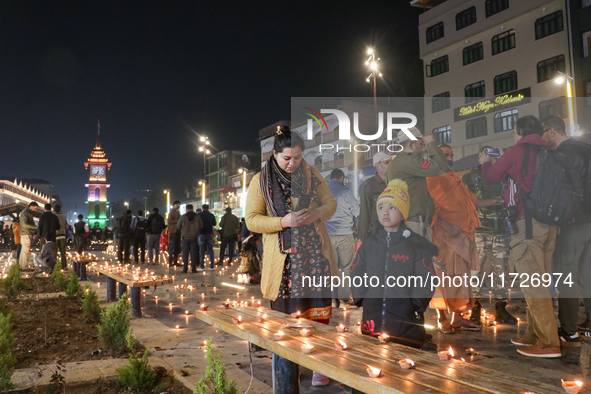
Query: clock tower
[[98, 166]]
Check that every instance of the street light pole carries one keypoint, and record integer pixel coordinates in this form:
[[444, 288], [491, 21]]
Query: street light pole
[[167, 192], [372, 63], [565, 77], [243, 171], [204, 142]]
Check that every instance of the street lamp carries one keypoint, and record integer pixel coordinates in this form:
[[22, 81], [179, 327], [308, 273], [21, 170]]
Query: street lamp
[[126, 205], [560, 79], [243, 171], [167, 192], [203, 144], [202, 183], [372, 62]]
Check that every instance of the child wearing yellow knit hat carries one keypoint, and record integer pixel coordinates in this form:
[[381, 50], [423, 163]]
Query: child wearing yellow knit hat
[[393, 302]]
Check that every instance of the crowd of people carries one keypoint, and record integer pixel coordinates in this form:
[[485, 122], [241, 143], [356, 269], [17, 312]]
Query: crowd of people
[[417, 218]]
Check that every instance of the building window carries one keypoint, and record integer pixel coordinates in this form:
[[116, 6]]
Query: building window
[[442, 135], [549, 25], [435, 32], [506, 120], [473, 53], [223, 179], [476, 127], [495, 6], [438, 66], [97, 212], [97, 194], [506, 82], [586, 43], [223, 160], [440, 102], [340, 155], [556, 106], [503, 42], [548, 68], [475, 91], [466, 18]]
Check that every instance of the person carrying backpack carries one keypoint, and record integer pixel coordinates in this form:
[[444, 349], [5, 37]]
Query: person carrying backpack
[[124, 234], [573, 243], [138, 228], [189, 226], [529, 256], [154, 226]]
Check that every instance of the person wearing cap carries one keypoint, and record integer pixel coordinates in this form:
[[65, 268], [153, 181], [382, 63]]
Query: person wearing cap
[[369, 192], [454, 227], [394, 310], [492, 242], [410, 166], [230, 225], [174, 237]]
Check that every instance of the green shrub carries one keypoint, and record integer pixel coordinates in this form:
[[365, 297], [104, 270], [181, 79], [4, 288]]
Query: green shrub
[[58, 279], [13, 284], [137, 374], [215, 380], [7, 359], [90, 305], [74, 290], [114, 325]]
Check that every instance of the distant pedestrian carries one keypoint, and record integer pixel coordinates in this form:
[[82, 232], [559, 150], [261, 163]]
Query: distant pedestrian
[[60, 235], [230, 225], [369, 192], [138, 228], [340, 230], [124, 235], [174, 238], [28, 230], [154, 225], [7, 235], [206, 237], [80, 231], [16, 240], [189, 226], [49, 224]]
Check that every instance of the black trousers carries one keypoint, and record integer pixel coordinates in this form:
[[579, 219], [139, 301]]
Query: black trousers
[[230, 241], [124, 245], [139, 243], [190, 249]]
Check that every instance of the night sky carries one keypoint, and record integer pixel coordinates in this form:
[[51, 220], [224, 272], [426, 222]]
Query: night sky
[[157, 73]]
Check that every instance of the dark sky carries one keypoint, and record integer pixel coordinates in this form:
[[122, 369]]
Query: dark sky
[[157, 72]]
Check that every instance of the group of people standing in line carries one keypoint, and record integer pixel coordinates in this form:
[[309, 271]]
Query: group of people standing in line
[[417, 217]]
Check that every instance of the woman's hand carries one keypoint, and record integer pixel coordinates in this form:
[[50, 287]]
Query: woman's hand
[[310, 216], [294, 219]]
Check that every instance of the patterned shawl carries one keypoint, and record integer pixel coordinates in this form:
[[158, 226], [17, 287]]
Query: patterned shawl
[[277, 190]]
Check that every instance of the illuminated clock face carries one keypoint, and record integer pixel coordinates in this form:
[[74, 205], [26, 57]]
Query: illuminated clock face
[[97, 172]]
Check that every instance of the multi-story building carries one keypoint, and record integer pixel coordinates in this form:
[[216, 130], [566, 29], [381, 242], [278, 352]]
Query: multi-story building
[[16, 195], [580, 18], [488, 62], [222, 166]]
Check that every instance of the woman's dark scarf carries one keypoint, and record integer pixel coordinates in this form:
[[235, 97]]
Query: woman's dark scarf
[[277, 190]]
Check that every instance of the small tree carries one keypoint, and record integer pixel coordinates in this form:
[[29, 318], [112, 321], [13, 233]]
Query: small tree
[[114, 325], [90, 305], [58, 279], [73, 290], [7, 359], [137, 374], [13, 284], [215, 380]]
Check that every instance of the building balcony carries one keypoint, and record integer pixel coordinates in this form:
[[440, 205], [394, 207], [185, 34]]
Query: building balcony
[[313, 142], [266, 156], [330, 137], [331, 165], [318, 166]]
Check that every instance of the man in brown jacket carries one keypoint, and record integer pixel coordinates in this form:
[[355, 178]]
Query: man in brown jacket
[[174, 238]]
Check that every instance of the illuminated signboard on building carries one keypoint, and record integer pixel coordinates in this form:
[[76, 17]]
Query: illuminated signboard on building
[[485, 106]]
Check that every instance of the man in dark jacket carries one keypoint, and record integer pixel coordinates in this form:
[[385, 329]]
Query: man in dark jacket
[[206, 237], [48, 225], [174, 237], [80, 231], [124, 236], [230, 225], [155, 225], [138, 228], [573, 244], [189, 226], [528, 256]]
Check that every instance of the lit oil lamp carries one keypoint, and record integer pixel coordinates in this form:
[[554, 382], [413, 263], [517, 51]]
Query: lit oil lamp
[[305, 332], [204, 307], [261, 319], [373, 372], [340, 345], [572, 386], [186, 312], [446, 355], [307, 348], [383, 338], [341, 328], [177, 326], [237, 320], [279, 335], [406, 363]]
